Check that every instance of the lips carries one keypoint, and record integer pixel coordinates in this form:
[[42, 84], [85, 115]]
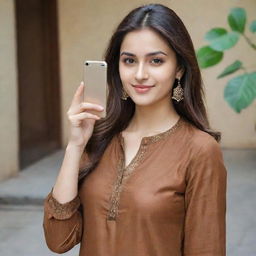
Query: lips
[[143, 86], [142, 89]]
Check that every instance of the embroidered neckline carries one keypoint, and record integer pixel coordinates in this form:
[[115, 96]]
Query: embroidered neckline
[[156, 137], [144, 142]]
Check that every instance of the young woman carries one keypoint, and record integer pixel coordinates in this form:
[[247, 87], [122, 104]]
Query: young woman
[[149, 179]]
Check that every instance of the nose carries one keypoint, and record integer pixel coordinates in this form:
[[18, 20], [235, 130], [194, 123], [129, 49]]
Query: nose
[[141, 72]]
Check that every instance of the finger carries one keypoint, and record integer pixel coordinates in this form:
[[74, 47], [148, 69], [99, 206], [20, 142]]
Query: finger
[[85, 106], [89, 105], [86, 115], [80, 117], [79, 94]]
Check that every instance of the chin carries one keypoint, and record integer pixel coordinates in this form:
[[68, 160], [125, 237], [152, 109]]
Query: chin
[[151, 100], [143, 101]]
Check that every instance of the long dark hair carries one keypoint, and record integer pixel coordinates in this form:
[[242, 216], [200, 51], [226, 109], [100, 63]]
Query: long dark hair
[[169, 26]]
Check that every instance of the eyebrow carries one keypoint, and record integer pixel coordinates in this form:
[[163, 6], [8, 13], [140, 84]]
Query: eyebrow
[[149, 54]]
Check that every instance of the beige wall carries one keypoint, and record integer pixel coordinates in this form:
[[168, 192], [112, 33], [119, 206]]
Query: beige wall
[[86, 26], [8, 92]]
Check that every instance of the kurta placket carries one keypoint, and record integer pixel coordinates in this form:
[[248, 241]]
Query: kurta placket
[[122, 174]]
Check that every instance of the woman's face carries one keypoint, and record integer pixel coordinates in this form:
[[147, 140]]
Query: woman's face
[[147, 67]]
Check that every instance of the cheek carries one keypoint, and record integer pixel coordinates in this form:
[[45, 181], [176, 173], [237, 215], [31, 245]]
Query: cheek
[[164, 76], [125, 74]]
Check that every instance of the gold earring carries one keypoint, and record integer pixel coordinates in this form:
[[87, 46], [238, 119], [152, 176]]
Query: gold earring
[[178, 92], [124, 95]]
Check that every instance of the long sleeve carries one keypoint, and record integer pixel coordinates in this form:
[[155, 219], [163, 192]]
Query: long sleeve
[[205, 203], [62, 224]]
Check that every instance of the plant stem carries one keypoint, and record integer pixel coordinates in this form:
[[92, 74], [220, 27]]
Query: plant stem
[[248, 40]]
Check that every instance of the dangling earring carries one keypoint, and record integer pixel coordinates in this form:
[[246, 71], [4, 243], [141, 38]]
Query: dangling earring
[[178, 92], [124, 95]]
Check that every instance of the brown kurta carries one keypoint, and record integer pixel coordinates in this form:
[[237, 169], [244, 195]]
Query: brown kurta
[[169, 201]]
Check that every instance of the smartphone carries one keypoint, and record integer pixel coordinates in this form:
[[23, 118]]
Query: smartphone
[[95, 79]]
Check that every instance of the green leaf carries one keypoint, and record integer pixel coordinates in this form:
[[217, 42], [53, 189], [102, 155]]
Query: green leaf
[[208, 57], [215, 33], [231, 68], [253, 26], [237, 19], [225, 41], [241, 91]]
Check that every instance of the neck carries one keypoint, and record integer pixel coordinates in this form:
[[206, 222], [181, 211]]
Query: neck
[[153, 118]]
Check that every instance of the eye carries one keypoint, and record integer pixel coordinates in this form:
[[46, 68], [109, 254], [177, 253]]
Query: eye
[[157, 61], [128, 60]]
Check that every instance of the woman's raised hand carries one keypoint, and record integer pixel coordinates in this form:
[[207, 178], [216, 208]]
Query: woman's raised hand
[[81, 121]]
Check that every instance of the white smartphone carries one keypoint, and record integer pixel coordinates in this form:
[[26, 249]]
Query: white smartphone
[[95, 79]]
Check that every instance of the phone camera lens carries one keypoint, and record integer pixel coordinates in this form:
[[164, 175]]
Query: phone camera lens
[[86, 63]]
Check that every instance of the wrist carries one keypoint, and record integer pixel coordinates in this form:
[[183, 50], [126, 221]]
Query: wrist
[[78, 148]]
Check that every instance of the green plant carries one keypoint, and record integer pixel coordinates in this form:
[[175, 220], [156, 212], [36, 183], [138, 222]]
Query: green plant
[[240, 91]]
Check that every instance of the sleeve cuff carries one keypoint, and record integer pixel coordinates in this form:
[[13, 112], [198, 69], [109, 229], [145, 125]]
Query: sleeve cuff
[[61, 211]]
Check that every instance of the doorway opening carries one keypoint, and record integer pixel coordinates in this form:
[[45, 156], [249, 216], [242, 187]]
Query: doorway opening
[[38, 79]]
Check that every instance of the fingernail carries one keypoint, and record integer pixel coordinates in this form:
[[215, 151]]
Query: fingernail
[[82, 83]]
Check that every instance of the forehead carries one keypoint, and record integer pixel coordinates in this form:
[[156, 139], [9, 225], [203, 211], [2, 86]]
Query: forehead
[[141, 42]]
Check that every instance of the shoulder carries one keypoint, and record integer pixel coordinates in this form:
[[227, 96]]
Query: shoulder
[[202, 143], [205, 151], [205, 158]]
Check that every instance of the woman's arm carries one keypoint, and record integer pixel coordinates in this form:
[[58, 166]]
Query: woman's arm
[[205, 203], [62, 218], [65, 188]]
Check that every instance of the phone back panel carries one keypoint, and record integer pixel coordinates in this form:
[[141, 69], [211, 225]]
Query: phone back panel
[[95, 78]]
